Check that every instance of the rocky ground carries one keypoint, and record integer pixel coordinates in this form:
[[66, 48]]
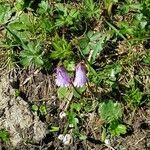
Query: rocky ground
[[30, 131]]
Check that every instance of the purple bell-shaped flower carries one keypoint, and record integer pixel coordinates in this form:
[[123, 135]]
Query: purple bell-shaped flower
[[80, 75], [62, 77]]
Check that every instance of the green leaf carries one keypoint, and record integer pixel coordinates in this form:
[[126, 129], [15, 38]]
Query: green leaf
[[43, 7], [5, 13], [25, 22], [133, 96], [107, 76], [17, 38], [19, 5], [61, 92], [83, 43], [4, 135], [93, 44], [117, 129], [32, 54], [38, 61], [116, 30], [76, 106], [43, 109], [54, 129], [69, 65], [65, 93], [78, 91], [146, 59], [34, 108], [17, 92], [18, 26], [26, 61], [110, 111], [82, 137], [97, 48], [62, 8], [74, 13], [91, 9], [72, 118], [94, 36], [67, 16], [62, 48], [46, 24]]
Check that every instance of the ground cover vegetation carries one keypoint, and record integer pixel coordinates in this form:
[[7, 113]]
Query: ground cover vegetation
[[103, 47]]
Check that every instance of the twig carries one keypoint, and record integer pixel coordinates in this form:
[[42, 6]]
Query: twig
[[67, 105], [140, 140], [109, 147], [31, 76]]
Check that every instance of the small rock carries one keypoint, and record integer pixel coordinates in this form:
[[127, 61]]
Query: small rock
[[68, 139], [107, 141], [62, 115], [61, 137]]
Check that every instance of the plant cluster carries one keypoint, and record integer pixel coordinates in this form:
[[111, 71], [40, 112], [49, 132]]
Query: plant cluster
[[111, 36]]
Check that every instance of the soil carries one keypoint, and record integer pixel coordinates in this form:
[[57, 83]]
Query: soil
[[30, 131]]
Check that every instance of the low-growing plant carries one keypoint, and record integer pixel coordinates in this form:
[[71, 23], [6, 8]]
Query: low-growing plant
[[32, 54], [92, 44], [17, 92], [136, 25], [91, 10], [133, 95], [107, 77], [111, 112], [66, 16], [117, 129], [61, 34], [4, 135], [34, 108], [73, 115], [6, 12], [62, 49], [42, 109]]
